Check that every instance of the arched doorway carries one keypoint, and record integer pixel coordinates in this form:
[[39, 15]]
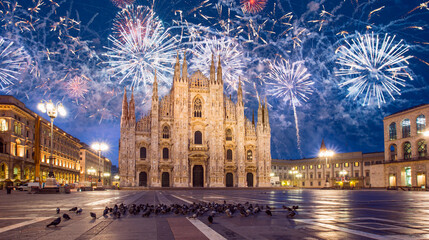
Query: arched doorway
[[165, 179], [198, 176], [143, 179], [229, 180], [250, 179]]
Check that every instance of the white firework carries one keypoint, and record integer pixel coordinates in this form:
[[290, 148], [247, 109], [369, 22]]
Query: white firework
[[13, 61], [77, 87], [290, 81], [231, 56], [373, 66], [139, 48]]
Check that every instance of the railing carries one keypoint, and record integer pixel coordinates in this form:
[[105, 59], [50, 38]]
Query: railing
[[419, 158]]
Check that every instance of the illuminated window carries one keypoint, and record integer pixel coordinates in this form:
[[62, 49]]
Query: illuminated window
[[392, 131], [337, 165], [422, 148], [3, 125], [249, 155], [166, 132], [17, 128], [229, 156], [346, 164], [421, 123], [406, 128], [328, 165], [197, 108], [407, 150], [319, 166], [228, 135], [303, 167], [311, 166], [356, 164]]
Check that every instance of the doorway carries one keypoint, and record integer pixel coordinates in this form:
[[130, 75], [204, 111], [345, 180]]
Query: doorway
[[250, 179], [143, 179], [229, 180], [165, 179], [198, 176]]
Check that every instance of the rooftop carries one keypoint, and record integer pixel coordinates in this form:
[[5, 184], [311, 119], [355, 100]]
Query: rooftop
[[407, 109]]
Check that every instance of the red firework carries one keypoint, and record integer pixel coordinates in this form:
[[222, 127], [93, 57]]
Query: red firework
[[122, 3], [252, 6]]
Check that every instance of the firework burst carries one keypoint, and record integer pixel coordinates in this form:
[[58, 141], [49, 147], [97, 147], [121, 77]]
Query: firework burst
[[291, 82], [373, 66], [139, 48], [77, 87], [253, 6], [122, 3], [13, 61], [231, 56]]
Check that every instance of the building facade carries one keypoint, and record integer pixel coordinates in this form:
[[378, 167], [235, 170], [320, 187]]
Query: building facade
[[343, 170], [19, 153], [91, 164], [194, 137], [405, 143]]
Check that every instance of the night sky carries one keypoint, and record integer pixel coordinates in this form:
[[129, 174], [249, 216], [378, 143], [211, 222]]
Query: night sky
[[55, 45]]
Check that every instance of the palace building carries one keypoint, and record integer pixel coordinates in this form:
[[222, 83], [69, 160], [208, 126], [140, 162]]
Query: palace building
[[194, 136]]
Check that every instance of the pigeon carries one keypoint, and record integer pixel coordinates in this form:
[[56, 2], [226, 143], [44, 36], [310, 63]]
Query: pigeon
[[66, 216], [79, 211], [210, 219], [55, 222], [58, 210], [295, 207], [73, 209], [93, 215], [268, 212], [106, 210]]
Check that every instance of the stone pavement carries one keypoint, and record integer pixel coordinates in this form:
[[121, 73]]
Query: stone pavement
[[323, 214]]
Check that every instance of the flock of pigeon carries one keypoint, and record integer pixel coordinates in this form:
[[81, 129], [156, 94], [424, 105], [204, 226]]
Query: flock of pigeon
[[193, 210]]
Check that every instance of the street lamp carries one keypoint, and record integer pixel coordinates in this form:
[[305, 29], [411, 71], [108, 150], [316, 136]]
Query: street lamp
[[99, 146], [426, 133], [293, 172], [324, 153], [52, 110]]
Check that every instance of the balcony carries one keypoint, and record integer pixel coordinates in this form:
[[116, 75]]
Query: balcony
[[198, 147]]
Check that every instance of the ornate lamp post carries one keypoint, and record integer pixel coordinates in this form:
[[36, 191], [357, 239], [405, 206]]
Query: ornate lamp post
[[99, 146], [325, 153], [52, 110]]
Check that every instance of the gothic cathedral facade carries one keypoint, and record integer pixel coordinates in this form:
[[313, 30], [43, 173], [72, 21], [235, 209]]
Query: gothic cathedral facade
[[194, 137]]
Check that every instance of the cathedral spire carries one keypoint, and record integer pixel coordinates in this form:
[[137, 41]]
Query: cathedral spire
[[259, 111], [253, 117], [266, 119], [219, 72], [239, 93], [124, 117], [132, 109], [176, 76], [184, 68], [212, 71]]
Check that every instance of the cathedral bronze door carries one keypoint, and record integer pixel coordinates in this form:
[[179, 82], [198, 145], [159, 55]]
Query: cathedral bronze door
[[229, 180], [165, 179], [143, 179], [250, 179], [198, 176]]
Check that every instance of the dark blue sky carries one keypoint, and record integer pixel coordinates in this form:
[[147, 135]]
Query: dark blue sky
[[344, 123]]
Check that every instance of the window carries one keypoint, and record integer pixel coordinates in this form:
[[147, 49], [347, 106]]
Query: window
[[274, 166], [319, 175], [328, 165], [393, 152], [319, 183], [407, 150], [337, 165], [249, 155], [311, 175], [198, 137], [327, 176], [166, 132], [228, 135], [229, 156], [356, 164], [346, 164], [197, 108], [421, 123], [303, 167], [311, 184], [337, 174], [311, 166], [319, 166], [367, 163], [406, 128], [303, 184], [422, 148], [143, 153], [17, 128], [3, 125], [165, 153], [367, 174], [392, 131]]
